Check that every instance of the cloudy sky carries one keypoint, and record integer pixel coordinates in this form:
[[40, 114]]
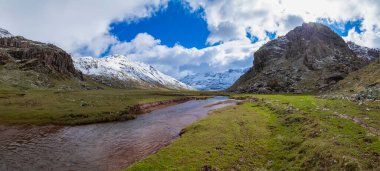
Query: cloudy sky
[[181, 37]]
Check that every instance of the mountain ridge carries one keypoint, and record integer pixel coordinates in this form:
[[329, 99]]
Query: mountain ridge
[[369, 54], [5, 33], [120, 72]]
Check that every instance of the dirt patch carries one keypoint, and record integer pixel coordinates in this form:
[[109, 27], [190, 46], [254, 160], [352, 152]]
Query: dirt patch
[[148, 107], [222, 102], [359, 122]]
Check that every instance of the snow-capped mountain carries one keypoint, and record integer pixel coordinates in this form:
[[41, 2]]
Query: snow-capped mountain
[[214, 81], [126, 73], [364, 52], [5, 33]]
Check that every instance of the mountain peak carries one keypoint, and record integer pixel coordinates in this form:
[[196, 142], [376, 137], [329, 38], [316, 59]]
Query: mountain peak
[[5, 33], [120, 72], [309, 58], [309, 31]]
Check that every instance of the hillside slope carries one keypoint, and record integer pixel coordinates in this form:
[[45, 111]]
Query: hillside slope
[[362, 84]]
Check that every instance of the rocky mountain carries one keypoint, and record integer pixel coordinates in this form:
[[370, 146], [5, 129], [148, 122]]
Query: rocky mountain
[[365, 53], [28, 63], [214, 80], [120, 72], [310, 58], [37, 56]]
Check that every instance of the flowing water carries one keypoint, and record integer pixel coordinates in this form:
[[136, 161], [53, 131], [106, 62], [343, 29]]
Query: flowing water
[[106, 146]]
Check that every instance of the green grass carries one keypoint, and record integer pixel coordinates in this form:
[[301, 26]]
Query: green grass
[[275, 132], [223, 140], [76, 107]]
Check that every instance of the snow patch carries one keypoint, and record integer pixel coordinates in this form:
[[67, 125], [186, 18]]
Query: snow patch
[[366, 53], [122, 68], [214, 81], [5, 33]]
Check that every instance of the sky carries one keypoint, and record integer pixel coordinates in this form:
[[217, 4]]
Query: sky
[[181, 37]]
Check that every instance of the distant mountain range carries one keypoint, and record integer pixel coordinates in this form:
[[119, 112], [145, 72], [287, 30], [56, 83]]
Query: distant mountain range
[[120, 72], [214, 80]]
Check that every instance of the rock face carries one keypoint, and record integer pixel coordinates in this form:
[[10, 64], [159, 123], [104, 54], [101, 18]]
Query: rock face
[[214, 81], [36, 56], [369, 54], [119, 72], [310, 58]]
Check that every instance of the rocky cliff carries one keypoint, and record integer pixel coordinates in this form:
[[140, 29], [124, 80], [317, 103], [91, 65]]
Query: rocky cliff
[[26, 64], [36, 56], [310, 58]]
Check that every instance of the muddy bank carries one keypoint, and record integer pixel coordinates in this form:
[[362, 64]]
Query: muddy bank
[[149, 107], [129, 113], [106, 146]]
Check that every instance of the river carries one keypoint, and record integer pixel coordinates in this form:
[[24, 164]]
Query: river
[[105, 146]]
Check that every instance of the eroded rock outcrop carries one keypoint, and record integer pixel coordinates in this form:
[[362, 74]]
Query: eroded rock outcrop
[[36, 56]]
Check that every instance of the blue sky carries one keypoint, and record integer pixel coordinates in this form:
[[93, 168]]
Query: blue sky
[[175, 24], [342, 28], [178, 24], [181, 37]]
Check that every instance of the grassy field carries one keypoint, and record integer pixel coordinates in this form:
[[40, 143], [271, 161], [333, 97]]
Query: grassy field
[[76, 107], [277, 132]]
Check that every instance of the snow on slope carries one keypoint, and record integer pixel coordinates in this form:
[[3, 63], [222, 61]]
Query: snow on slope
[[369, 54], [5, 33], [121, 68], [214, 81]]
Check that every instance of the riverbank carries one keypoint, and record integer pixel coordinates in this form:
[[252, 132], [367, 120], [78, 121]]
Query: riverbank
[[277, 132], [44, 107], [105, 146]]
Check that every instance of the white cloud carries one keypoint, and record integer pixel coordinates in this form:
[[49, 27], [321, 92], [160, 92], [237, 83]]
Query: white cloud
[[95, 47], [71, 23], [367, 38], [179, 61], [228, 19]]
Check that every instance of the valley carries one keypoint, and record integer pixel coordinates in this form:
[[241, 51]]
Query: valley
[[309, 101]]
